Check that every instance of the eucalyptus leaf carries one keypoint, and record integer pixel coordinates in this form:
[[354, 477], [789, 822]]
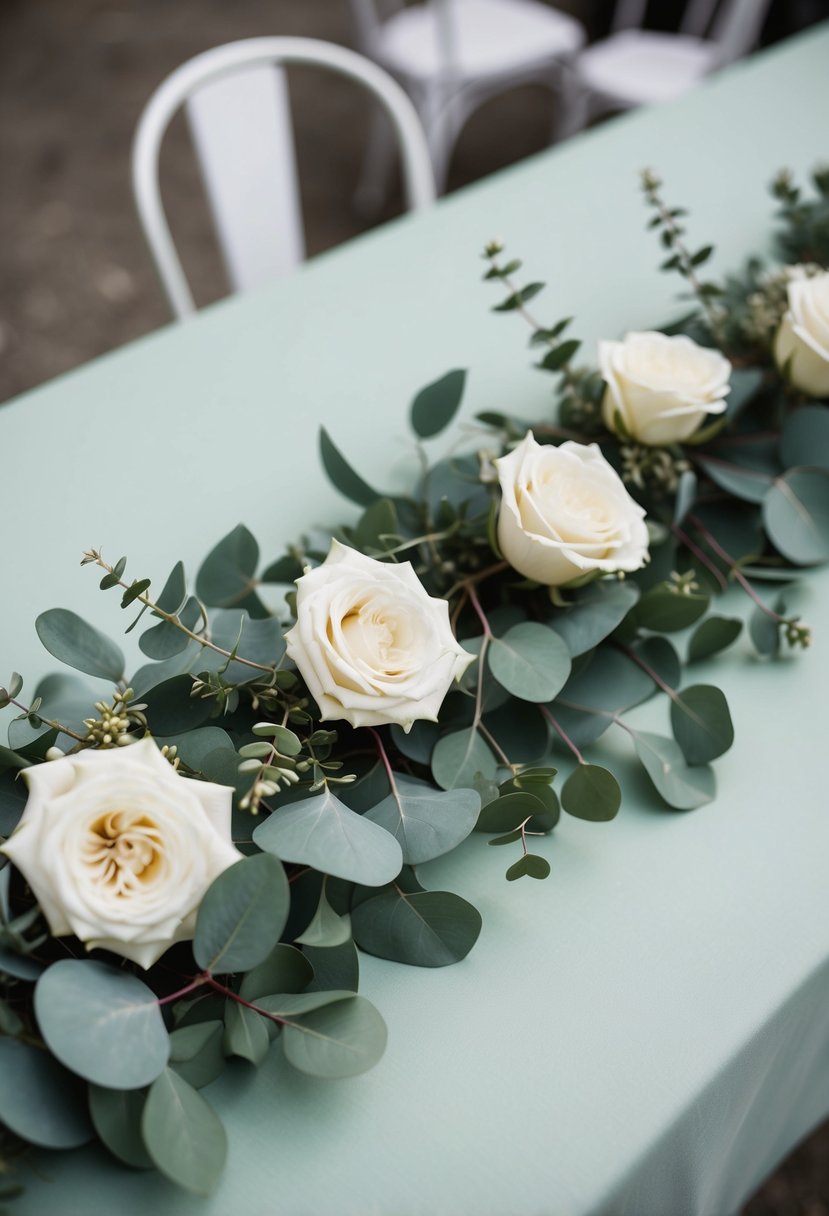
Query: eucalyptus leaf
[[427, 822], [419, 743], [183, 1135], [341, 1039], [246, 1033], [531, 661], [764, 631], [335, 967], [323, 833], [341, 474], [227, 576], [435, 406], [116, 1115], [520, 730], [165, 639], [105, 1025], [530, 865], [749, 484], [681, 785], [326, 928], [242, 915], [39, 1100], [424, 929], [701, 723], [196, 1052], [796, 515], [508, 812], [595, 612], [286, 969], [804, 437], [80, 645], [716, 633], [459, 757], [665, 610], [591, 792], [686, 494]]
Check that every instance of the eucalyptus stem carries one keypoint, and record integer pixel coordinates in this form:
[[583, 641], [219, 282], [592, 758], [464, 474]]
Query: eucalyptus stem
[[562, 734], [50, 722], [94, 556], [685, 262], [735, 570]]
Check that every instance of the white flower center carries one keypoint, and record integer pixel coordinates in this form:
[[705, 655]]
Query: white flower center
[[378, 637], [123, 852]]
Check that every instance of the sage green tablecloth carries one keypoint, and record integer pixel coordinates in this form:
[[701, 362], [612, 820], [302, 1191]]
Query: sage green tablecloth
[[646, 1033]]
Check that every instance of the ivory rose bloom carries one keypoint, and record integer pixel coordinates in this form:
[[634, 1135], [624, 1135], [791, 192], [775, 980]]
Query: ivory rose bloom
[[803, 336], [119, 849], [370, 642], [565, 513], [662, 388]]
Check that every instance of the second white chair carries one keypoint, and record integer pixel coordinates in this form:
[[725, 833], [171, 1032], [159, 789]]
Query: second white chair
[[451, 56], [238, 109], [634, 66]]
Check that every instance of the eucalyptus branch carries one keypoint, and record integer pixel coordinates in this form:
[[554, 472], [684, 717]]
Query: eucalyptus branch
[[93, 556], [50, 722], [797, 634], [681, 259]]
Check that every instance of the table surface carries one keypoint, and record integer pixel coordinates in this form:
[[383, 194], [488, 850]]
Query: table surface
[[645, 1034]]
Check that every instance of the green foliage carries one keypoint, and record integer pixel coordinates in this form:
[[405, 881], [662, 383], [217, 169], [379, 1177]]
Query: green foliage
[[331, 817], [435, 406], [242, 915], [183, 1134], [105, 1025]]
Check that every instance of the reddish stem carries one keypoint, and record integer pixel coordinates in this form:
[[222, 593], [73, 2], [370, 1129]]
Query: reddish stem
[[562, 734], [734, 568]]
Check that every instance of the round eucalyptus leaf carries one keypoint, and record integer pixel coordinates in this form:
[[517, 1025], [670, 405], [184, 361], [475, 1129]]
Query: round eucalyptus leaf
[[242, 916], [459, 757], [419, 742], [520, 730], [183, 1135], [509, 811], [427, 822], [39, 1100], [796, 515], [78, 644], [715, 633], [596, 611], [322, 832], [748, 484], [531, 661], [105, 1025], [665, 611], [286, 969], [116, 1115], [681, 785], [530, 866], [591, 792], [804, 438], [341, 1039], [701, 723], [424, 929]]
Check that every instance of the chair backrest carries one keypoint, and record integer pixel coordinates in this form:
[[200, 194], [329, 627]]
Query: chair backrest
[[734, 25], [237, 106]]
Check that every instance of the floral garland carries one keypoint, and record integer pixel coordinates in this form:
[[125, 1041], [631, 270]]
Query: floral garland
[[253, 804]]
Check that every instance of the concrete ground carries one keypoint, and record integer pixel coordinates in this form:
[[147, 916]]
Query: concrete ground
[[75, 278]]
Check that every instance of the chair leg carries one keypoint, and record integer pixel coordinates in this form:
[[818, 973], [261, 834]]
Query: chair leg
[[574, 106], [375, 172], [443, 116]]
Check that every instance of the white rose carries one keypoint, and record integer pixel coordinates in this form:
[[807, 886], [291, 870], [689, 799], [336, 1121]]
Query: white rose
[[565, 513], [803, 336], [370, 642], [661, 388], [119, 849]]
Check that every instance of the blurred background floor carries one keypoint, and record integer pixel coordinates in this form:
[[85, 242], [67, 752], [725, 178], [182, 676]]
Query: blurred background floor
[[75, 277]]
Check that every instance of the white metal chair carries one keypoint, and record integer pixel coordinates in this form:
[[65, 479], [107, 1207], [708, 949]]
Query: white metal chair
[[633, 66], [237, 105], [451, 56]]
